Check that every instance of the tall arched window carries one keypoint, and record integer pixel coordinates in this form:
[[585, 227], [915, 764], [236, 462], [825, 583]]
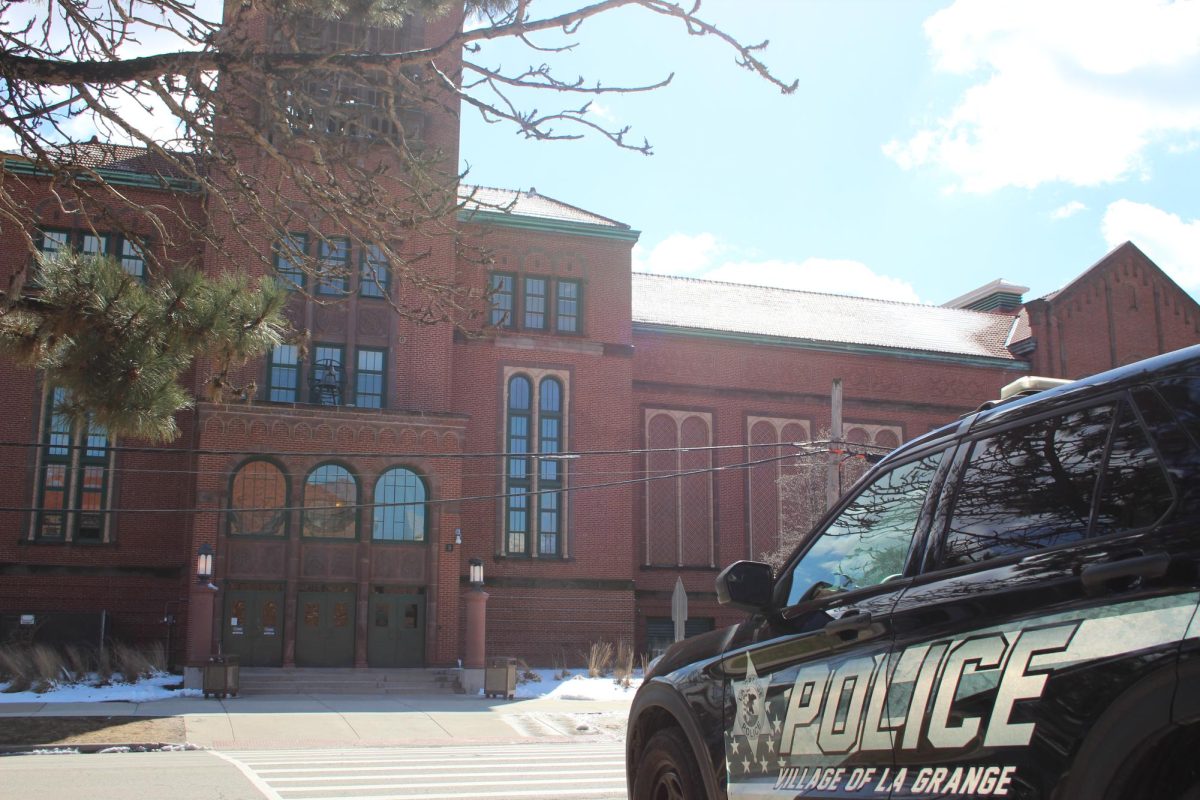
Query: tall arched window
[[399, 507], [520, 413], [777, 508], [258, 500], [330, 503], [549, 477], [679, 496], [534, 499]]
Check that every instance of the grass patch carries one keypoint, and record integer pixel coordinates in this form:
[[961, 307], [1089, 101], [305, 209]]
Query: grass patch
[[21, 731]]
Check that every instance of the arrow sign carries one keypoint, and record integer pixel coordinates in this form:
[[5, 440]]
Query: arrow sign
[[679, 608]]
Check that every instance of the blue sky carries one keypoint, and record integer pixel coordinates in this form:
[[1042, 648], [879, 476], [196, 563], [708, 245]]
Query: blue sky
[[930, 148]]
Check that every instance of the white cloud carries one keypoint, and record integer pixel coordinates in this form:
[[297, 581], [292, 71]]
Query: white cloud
[[601, 111], [1069, 210], [1070, 90], [1169, 241], [678, 254], [704, 256]]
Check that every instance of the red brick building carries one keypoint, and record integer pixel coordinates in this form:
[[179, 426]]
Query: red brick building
[[608, 434]]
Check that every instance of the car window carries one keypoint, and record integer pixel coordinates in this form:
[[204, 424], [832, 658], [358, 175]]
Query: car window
[[867, 543], [1182, 394], [1135, 491], [1028, 488]]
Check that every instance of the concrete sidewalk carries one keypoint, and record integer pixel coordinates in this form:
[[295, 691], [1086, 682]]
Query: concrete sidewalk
[[312, 721]]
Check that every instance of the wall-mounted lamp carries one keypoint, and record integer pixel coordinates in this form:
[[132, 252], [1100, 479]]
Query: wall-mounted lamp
[[458, 535], [204, 563], [476, 575]]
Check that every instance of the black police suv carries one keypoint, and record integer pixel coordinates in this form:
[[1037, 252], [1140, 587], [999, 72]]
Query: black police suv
[[1004, 607]]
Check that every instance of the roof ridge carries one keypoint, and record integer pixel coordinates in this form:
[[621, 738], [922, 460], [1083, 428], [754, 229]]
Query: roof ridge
[[533, 193], [820, 294]]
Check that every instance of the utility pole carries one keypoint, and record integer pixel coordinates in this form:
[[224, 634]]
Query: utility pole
[[833, 482]]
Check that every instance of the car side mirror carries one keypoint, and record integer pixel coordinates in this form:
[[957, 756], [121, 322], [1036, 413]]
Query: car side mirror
[[745, 585]]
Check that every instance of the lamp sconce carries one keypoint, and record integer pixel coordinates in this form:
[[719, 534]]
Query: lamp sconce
[[204, 563], [457, 540]]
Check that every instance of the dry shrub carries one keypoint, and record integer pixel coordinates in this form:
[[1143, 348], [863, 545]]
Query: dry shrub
[[15, 668], [77, 663], [47, 667], [525, 673], [599, 658], [623, 666], [156, 657], [131, 663], [104, 666]]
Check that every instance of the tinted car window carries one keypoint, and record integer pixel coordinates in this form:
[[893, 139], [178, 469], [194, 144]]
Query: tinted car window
[[1028, 487], [868, 542], [1135, 492], [1182, 393]]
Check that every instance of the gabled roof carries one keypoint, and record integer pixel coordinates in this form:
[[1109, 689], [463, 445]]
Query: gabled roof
[[528, 204], [116, 157], [810, 317]]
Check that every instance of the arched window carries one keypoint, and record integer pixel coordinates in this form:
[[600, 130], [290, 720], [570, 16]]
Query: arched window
[[258, 500], [330, 503], [679, 496], [533, 509], [399, 507]]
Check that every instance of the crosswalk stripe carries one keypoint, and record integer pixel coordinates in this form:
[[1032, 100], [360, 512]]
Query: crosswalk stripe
[[553, 793], [447, 782], [562, 762], [422, 776], [588, 771]]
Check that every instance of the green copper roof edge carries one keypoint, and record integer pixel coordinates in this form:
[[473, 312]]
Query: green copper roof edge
[[838, 347], [112, 176], [543, 225]]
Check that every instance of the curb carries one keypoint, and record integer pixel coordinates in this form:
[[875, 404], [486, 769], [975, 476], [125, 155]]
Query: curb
[[124, 747]]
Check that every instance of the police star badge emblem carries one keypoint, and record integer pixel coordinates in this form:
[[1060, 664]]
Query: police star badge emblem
[[751, 698]]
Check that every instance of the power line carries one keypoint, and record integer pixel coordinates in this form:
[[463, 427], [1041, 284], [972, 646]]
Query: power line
[[810, 449], [568, 454], [439, 501]]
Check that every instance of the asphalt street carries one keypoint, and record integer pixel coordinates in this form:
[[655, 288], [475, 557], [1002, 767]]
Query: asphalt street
[[592, 770]]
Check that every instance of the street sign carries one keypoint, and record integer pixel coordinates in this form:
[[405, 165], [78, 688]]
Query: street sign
[[679, 611]]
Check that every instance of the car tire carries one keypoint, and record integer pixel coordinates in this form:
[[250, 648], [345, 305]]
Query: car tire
[[667, 770]]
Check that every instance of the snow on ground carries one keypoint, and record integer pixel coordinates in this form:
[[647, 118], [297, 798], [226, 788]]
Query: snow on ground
[[577, 686], [143, 691], [551, 684]]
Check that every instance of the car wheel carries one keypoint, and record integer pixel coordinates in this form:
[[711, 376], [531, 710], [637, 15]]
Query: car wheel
[[667, 770]]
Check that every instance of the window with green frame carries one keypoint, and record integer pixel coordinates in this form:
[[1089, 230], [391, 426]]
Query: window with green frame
[[330, 503], [566, 307], [533, 303], [334, 275], [290, 251], [327, 377], [370, 378], [501, 287], [72, 486], [129, 253], [133, 259], [534, 475], [375, 272], [543, 303], [283, 374], [258, 500], [399, 513]]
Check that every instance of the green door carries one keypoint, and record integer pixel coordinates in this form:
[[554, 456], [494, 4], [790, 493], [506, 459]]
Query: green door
[[325, 628], [252, 627], [396, 630]]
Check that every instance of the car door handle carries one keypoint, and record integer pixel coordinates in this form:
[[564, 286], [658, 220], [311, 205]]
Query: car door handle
[[1152, 565], [849, 622]]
